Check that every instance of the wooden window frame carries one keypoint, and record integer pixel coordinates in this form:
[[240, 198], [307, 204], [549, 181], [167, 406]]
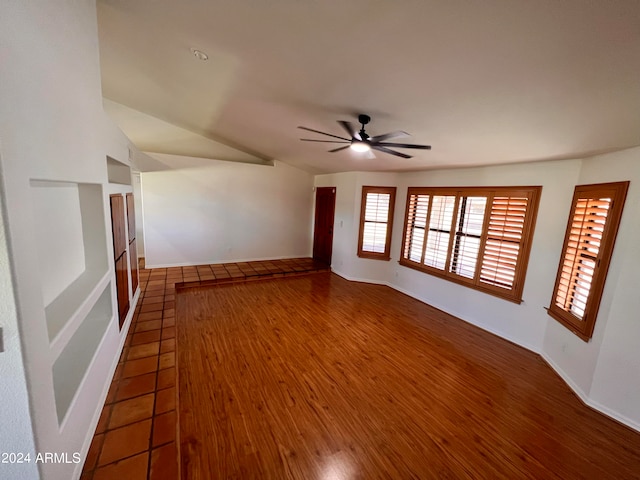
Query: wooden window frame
[[514, 293], [386, 255], [617, 191]]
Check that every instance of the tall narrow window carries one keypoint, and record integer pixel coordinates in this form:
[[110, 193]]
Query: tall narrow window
[[376, 222], [468, 235], [439, 233], [479, 237], [588, 245]]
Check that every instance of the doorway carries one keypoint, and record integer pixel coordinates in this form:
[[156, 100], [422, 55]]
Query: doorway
[[323, 226]]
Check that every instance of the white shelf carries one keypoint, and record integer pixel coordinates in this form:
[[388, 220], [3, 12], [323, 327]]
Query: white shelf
[[67, 312], [118, 172], [72, 250], [72, 363]]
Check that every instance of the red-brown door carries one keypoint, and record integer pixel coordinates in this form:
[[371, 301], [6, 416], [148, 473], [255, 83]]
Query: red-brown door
[[131, 217], [323, 226], [117, 223], [133, 251], [122, 288], [120, 254]]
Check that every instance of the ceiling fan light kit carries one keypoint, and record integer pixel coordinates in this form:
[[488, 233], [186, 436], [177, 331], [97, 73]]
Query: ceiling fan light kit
[[360, 141], [358, 146]]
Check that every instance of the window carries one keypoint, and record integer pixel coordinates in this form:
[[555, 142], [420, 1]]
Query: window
[[586, 252], [376, 222], [479, 237]]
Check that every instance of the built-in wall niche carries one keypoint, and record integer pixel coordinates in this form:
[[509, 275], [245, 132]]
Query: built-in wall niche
[[75, 357], [71, 244], [118, 172]]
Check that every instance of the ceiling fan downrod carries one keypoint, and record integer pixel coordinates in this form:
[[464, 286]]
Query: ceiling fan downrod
[[363, 119]]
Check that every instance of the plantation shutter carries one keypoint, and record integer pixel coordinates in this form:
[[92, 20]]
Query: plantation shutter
[[581, 254], [375, 222], [479, 237], [437, 248], [504, 236], [469, 224], [588, 245], [418, 207]]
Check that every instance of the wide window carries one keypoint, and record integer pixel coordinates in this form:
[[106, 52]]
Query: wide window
[[479, 237], [376, 222], [588, 246]]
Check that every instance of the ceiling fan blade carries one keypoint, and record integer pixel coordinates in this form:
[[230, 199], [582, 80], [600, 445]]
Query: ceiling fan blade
[[339, 148], [323, 133], [396, 134], [348, 126], [404, 145], [324, 141], [391, 152]]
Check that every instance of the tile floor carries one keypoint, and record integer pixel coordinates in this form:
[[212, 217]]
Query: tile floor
[[136, 437]]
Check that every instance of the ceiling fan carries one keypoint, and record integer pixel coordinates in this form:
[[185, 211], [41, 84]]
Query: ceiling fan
[[360, 141]]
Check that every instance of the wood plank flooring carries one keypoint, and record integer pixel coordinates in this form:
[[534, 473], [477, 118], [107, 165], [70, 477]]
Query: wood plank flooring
[[135, 437], [319, 378]]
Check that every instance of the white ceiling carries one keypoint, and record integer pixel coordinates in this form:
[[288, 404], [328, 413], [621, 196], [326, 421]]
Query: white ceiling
[[492, 81]]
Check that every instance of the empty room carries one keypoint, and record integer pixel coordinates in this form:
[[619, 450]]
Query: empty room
[[319, 240]]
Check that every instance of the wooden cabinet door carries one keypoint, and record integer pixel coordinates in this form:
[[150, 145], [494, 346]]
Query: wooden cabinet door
[[131, 217], [117, 224], [133, 262], [122, 288]]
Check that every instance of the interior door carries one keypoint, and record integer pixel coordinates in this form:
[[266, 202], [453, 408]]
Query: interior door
[[323, 226], [133, 251], [120, 255]]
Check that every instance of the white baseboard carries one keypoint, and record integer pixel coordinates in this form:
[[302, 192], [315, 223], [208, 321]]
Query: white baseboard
[[487, 328], [587, 400], [361, 280], [563, 375]]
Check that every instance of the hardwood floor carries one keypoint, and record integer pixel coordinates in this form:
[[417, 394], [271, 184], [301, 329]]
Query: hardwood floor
[[318, 377], [135, 437]]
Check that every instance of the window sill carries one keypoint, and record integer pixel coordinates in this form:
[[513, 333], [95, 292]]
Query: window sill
[[506, 295], [373, 256], [568, 323]]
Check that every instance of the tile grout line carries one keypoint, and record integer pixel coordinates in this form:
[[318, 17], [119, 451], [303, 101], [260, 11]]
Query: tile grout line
[[155, 390], [117, 381]]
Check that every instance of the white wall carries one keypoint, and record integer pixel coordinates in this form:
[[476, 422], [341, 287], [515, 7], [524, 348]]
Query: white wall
[[53, 128], [16, 434], [604, 372], [58, 233], [136, 183], [344, 259], [523, 324], [200, 211]]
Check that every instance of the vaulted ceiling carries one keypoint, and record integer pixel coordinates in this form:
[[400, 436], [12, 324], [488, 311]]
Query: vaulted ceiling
[[496, 81]]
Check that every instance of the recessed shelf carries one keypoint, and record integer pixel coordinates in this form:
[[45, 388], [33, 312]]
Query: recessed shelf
[[58, 234], [64, 312], [118, 172], [70, 232], [71, 365]]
